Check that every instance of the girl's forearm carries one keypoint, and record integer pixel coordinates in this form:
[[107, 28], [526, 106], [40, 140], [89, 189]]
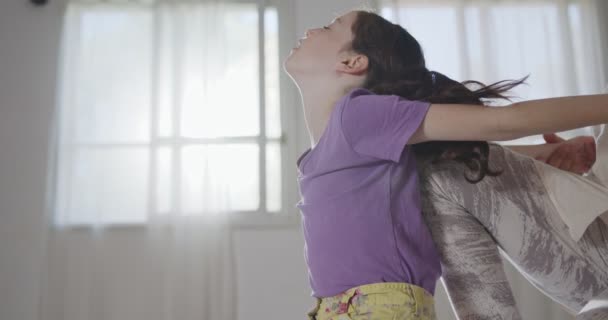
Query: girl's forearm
[[532, 117]]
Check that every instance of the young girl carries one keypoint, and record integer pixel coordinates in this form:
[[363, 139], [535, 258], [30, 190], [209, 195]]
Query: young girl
[[368, 99]]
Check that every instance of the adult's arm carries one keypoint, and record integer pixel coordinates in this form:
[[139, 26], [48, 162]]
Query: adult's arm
[[536, 151]]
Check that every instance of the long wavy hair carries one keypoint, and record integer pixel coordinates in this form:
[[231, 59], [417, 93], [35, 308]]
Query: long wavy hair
[[397, 66]]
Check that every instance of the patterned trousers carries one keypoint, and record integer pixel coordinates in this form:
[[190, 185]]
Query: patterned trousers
[[511, 215]]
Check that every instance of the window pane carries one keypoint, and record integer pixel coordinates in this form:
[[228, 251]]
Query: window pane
[[219, 69], [107, 186], [167, 79], [164, 183], [111, 86], [272, 65], [273, 176], [207, 171], [433, 27], [521, 27]]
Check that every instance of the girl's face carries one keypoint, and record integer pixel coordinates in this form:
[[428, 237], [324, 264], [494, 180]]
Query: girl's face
[[321, 49]]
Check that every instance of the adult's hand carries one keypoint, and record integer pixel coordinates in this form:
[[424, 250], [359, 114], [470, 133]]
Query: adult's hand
[[576, 155]]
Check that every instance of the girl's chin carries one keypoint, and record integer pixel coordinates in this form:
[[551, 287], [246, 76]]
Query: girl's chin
[[288, 62], [292, 52]]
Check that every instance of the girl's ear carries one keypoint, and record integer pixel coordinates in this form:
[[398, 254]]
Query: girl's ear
[[355, 64]]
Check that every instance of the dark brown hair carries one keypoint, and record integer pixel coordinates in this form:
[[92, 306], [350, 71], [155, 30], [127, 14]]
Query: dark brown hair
[[396, 66]]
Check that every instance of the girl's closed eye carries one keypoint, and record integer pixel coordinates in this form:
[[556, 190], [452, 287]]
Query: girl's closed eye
[[326, 27]]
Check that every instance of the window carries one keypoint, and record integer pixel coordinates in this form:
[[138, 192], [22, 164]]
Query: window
[[159, 104]]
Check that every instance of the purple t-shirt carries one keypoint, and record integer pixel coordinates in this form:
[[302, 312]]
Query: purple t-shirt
[[360, 199]]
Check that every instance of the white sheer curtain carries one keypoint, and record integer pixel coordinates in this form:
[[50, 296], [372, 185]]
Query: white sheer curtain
[[557, 42], [139, 197]]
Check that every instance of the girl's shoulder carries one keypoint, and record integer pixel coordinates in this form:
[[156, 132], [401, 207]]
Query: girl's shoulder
[[369, 95], [363, 96], [359, 91]]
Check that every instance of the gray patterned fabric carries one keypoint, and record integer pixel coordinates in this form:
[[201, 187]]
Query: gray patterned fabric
[[509, 215]]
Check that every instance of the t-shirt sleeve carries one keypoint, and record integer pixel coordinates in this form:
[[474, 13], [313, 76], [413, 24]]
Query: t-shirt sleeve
[[381, 125]]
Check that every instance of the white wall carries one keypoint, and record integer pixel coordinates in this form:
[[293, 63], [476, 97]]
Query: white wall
[[29, 39]]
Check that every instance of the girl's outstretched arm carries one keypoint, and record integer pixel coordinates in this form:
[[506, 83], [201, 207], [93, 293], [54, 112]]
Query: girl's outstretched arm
[[466, 122]]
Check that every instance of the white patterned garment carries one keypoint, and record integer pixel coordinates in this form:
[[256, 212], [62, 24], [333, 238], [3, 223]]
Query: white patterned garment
[[580, 199], [510, 215]]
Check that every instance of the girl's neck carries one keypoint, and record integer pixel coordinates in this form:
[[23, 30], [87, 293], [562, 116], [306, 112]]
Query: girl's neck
[[318, 102]]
